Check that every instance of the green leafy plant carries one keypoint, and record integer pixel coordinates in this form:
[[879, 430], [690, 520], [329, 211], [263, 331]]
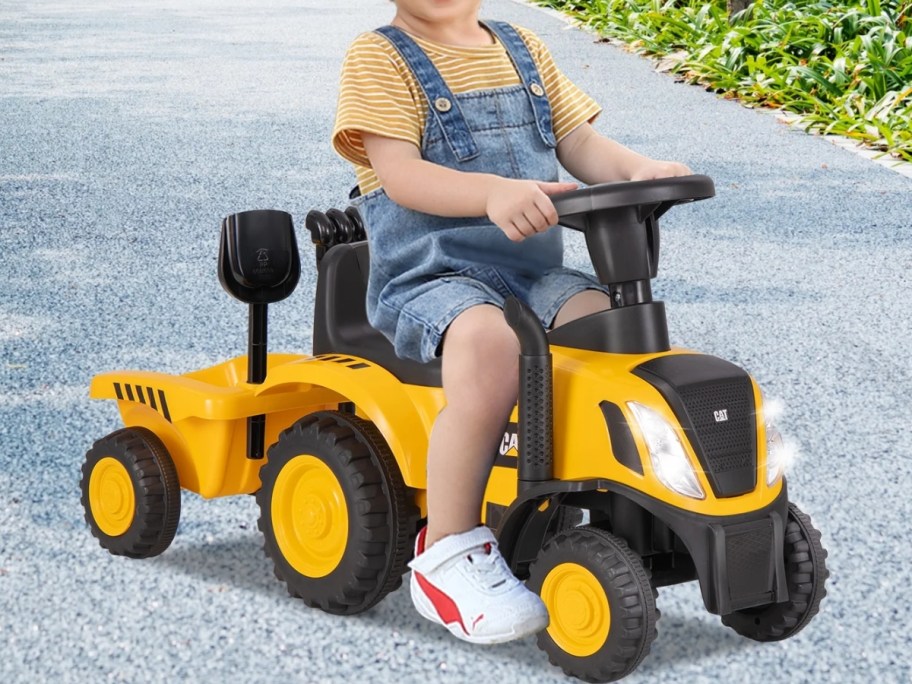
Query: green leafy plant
[[845, 67]]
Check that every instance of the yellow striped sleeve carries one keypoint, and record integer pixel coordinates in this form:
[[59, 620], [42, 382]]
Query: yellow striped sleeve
[[570, 106], [374, 98]]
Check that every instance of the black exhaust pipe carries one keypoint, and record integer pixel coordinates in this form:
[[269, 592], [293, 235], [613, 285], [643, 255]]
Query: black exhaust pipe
[[536, 438]]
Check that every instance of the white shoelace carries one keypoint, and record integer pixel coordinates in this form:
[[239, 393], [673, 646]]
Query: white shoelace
[[489, 568]]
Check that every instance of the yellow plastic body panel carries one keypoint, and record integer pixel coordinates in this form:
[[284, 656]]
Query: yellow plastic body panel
[[404, 414], [582, 445], [204, 427]]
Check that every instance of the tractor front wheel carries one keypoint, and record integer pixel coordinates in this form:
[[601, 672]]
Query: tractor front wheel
[[336, 516], [130, 493], [601, 602]]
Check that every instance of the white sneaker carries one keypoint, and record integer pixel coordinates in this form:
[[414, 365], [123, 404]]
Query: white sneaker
[[463, 583]]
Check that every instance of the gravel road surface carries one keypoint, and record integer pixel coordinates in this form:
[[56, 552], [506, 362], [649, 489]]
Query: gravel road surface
[[128, 129]]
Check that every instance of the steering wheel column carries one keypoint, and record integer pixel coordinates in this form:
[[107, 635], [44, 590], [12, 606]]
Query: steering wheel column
[[621, 225]]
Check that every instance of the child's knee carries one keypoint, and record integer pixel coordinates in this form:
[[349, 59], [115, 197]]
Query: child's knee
[[582, 304], [480, 329], [481, 358]]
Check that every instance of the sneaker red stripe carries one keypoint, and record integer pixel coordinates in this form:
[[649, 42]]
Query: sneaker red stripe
[[419, 546], [443, 604]]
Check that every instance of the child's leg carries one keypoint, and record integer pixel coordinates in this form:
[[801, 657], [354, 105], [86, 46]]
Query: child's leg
[[480, 382], [463, 582], [480, 379], [582, 304]]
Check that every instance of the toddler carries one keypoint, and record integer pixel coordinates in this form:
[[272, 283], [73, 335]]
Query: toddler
[[455, 128]]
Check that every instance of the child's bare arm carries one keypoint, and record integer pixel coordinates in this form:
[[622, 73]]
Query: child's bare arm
[[519, 207], [595, 159]]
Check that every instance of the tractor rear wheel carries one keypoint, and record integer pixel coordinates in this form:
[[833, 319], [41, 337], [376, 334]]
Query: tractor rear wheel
[[337, 518], [130, 493], [601, 602], [805, 576]]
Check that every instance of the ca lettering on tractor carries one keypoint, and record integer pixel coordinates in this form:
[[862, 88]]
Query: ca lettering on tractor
[[508, 450], [627, 465], [510, 442]]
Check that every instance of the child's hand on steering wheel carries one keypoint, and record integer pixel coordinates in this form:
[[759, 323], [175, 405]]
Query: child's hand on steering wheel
[[522, 208], [652, 169]]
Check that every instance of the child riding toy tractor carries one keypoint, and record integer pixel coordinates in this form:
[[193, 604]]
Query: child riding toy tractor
[[669, 453]]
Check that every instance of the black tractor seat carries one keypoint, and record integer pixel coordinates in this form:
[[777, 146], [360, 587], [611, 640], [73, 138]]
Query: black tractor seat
[[340, 317]]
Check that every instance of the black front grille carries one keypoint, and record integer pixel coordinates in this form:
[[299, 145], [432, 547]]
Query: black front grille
[[728, 443], [714, 401]]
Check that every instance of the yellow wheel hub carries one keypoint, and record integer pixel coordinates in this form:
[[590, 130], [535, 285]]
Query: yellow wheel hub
[[112, 499], [580, 614], [309, 516]]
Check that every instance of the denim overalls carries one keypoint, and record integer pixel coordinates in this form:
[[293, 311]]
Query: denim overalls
[[425, 270]]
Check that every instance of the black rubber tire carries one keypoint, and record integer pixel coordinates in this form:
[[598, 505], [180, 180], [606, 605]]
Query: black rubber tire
[[381, 511], [805, 574], [156, 491], [631, 600]]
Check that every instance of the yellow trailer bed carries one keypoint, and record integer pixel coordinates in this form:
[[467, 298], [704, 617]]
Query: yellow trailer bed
[[201, 417]]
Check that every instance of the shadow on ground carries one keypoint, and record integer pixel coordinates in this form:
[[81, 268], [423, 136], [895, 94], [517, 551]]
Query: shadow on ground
[[239, 563]]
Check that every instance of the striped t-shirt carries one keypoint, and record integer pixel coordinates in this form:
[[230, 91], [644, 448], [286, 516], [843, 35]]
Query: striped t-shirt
[[378, 93]]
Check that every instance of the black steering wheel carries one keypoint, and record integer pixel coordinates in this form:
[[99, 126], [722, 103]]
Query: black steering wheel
[[651, 198], [620, 221]]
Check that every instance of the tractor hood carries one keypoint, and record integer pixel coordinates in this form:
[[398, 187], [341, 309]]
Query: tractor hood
[[714, 404], [713, 401]]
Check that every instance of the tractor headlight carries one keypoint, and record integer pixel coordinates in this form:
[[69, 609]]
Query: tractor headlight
[[780, 451], [669, 460], [774, 456]]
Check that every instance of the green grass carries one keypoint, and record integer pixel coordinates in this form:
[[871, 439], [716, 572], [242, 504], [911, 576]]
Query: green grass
[[844, 66]]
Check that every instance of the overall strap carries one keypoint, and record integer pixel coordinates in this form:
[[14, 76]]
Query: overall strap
[[528, 72], [440, 99]]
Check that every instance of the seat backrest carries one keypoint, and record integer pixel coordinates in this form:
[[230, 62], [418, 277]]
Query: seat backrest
[[340, 317]]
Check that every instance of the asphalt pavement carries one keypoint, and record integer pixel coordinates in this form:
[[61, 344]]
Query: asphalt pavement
[[129, 129]]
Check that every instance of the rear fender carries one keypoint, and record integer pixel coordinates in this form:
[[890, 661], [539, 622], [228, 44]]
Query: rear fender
[[403, 417]]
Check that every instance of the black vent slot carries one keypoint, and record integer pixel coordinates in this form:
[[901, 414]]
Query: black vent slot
[[714, 401], [749, 562]]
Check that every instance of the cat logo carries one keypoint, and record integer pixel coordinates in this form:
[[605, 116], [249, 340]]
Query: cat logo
[[721, 415], [509, 445], [508, 451]]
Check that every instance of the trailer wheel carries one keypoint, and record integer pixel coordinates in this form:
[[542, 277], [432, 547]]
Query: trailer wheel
[[601, 602], [338, 521], [805, 575], [130, 493]]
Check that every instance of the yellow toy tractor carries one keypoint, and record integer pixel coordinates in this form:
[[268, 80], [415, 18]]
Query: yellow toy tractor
[[628, 464]]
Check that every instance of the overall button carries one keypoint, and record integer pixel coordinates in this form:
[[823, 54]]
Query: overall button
[[442, 104], [537, 89]]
